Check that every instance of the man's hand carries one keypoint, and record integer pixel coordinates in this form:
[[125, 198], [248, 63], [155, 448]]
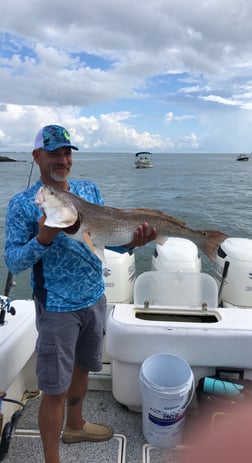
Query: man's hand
[[46, 234], [142, 236]]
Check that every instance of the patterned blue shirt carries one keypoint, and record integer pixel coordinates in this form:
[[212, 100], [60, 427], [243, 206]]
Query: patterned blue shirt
[[65, 275]]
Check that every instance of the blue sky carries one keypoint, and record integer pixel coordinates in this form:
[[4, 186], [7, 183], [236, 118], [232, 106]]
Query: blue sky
[[124, 76]]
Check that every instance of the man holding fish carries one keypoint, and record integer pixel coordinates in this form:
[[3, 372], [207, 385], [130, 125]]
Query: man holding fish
[[68, 291]]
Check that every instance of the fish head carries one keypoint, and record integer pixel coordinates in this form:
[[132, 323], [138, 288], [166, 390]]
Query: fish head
[[59, 210]]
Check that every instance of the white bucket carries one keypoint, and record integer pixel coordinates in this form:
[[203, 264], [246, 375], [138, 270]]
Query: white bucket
[[167, 387]]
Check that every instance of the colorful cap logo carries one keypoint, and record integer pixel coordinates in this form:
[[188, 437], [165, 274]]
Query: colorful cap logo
[[52, 137]]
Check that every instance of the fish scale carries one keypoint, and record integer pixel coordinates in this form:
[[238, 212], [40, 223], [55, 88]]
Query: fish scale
[[100, 226]]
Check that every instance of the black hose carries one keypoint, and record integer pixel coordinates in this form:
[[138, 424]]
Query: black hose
[[224, 274], [9, 428], [9, 283]]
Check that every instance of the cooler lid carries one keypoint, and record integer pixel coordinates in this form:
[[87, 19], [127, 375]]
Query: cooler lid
[[178, 289]]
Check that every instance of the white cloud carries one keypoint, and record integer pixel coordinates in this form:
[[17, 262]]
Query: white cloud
[[108, 132], [169, 117], [95, 66], [191, 141], [221, 100]]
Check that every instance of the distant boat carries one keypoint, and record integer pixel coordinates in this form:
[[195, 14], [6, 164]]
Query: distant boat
[[242, 157], [143, 160]]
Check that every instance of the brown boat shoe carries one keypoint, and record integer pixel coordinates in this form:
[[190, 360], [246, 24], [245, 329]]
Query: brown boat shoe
[[90, 432]]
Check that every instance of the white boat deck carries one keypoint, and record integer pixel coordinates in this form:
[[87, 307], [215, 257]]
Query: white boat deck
[[132, 338], [126, 446]]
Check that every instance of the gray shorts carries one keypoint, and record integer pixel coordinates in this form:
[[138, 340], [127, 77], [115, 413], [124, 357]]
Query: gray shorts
[[67, 339]]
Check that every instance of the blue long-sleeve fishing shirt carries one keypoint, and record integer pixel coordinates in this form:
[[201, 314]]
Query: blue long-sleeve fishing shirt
[[65, 275]]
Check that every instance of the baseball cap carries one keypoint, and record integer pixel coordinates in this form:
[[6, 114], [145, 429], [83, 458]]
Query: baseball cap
[[51, 137]]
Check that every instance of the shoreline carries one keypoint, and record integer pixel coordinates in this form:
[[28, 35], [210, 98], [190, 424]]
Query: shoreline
[[7, 159]]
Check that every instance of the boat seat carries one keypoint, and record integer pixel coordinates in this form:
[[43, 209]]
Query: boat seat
[[176, 289]]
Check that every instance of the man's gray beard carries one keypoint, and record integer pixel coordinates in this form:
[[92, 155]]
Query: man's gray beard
[[58, 178]]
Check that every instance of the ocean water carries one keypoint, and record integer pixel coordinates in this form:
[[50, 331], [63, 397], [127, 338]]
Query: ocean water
[[207, 191]]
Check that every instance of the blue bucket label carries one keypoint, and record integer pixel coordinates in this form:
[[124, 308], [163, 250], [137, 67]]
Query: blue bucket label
[[166, 419]]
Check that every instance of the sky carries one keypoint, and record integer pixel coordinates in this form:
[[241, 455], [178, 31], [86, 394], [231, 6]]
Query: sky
[[125, 76]]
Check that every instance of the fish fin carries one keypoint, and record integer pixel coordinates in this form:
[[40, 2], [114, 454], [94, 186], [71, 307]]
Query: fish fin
[[88, 241], [98, 251], [156, 212], [211, 242]]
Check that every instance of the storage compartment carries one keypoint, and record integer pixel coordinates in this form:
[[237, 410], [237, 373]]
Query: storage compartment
[[176, 316], [205, 346], [205, 335]]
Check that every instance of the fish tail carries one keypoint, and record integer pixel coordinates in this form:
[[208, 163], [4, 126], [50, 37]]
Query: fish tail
[[211, 239]]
